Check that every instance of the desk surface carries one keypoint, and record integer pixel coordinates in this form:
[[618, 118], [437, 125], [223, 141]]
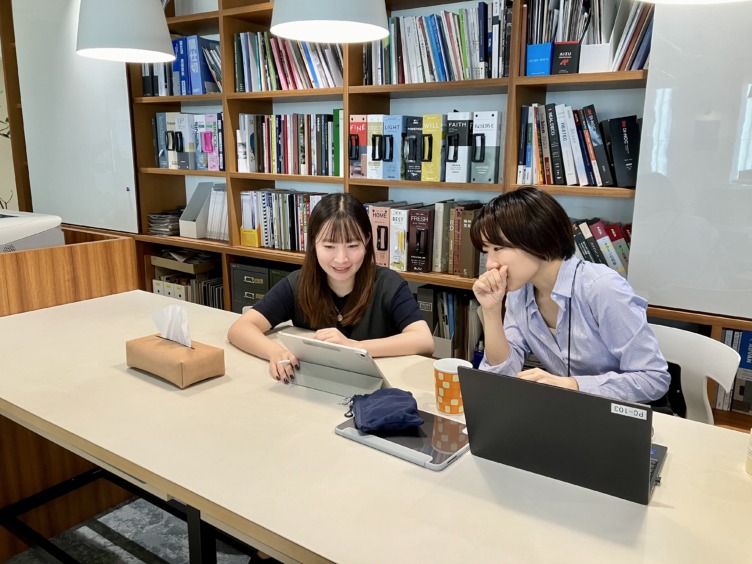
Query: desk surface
[[261, 459]]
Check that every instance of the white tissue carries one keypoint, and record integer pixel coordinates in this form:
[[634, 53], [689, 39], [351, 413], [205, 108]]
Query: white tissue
[[172, 323]]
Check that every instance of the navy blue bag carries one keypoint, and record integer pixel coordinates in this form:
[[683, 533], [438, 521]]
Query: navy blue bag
[[389, 409]]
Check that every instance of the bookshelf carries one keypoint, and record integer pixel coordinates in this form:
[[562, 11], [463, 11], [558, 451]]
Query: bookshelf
[[160, 189]]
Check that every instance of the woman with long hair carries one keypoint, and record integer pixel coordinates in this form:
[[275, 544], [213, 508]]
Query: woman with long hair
[[339, 292]]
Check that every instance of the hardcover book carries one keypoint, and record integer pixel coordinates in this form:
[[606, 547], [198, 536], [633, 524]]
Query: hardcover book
[[395, 128], [554, 143], [420, 239], [375, 147], [357, 145], [398, 235], [625, 149], [599, 147], [185, 141], [469, 256], [433, 147], [412, 148], [459, 141], [484, 161], [566, 57], [201, 79]]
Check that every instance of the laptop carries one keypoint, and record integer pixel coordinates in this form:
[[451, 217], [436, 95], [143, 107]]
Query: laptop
[[337, 369], [587, 440]]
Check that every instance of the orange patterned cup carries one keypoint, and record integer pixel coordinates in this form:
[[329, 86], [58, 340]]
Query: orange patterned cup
[[448, 396]]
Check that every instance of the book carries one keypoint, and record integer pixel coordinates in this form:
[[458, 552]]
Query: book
[[469, 256], [413, 148], [426, 297], [375, 146], [357, 145], [599, 147], [201, 79], [625, 149], [185, 141], [606, 246], [565, 58], [620, 244], [433, 148], [595, 250], [485, 164], [554, 143], [395, 127], [398, 236], [420, 222], [567, 155], [459, 141]]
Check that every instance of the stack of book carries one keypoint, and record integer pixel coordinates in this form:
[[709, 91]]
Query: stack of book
[[597, 240], [197, 69], [739, 398], [307, 144], [276, 219], [562, 145], [165, 223], [633, 50], [453, 319], [471, 44], [264, 62], [185, 141], [455, 147], [217, 221]]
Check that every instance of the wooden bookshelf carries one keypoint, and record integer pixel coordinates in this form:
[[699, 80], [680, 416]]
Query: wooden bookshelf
[[163, 189]]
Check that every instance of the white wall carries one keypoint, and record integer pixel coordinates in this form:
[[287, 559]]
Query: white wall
[[692, 245], [76, 120]]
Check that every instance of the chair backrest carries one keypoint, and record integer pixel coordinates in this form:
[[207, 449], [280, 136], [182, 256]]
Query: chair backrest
[[700, 358]]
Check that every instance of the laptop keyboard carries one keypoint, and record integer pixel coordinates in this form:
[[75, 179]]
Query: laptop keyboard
[[653, 465]]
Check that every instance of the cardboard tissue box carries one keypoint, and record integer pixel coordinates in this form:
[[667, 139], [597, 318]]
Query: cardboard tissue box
[[174, 362], [172, 354]]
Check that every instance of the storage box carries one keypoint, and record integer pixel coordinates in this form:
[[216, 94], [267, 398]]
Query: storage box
[[194, 218], [174, 362]]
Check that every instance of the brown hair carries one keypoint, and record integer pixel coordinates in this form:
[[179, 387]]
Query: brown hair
[[528, 219], [336, 218]]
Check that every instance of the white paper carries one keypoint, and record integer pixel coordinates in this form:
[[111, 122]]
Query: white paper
[[172, 323]]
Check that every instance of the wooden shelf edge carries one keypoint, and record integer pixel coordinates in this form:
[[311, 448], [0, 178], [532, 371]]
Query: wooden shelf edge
[[201, 98], [191, 18], [176, 172], [585, 80], [589, 191], [264, 8], [713, 320], [288, 177], [425, 185], [482, 84], [283, 94]]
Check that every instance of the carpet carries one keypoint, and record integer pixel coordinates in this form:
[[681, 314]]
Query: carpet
[[133, 532]]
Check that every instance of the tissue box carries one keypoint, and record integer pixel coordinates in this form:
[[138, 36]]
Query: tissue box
[[172, 361]]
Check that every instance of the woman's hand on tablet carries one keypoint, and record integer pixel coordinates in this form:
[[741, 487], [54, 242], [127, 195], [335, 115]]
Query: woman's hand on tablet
[[333, 335], [282, 366]]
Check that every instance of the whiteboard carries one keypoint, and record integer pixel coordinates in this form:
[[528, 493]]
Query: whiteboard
[[76, 120], [692, 236]]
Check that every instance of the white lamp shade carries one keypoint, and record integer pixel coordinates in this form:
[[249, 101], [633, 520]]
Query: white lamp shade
[[330, 21], [131, 31]]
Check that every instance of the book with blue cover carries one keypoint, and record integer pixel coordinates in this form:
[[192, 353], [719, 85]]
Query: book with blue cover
[[201, 79]]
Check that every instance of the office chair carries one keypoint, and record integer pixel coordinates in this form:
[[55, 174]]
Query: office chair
[[700, 358]]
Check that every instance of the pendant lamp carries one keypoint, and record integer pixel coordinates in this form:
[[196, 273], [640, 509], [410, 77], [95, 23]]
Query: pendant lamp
[[130, 31], [330, 21]]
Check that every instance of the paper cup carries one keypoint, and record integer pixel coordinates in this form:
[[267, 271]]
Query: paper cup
[[448, 396]]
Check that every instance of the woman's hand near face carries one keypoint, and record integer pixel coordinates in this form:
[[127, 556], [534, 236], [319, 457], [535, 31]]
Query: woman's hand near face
[[491, 287], [333, 335], [282, 365]]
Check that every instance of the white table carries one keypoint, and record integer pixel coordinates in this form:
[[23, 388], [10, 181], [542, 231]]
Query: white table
[[260, 459]]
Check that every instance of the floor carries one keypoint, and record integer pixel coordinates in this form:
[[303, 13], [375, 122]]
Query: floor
[[134, 532]]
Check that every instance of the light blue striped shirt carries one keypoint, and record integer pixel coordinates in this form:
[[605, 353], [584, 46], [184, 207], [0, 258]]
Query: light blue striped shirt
[[614, 351]]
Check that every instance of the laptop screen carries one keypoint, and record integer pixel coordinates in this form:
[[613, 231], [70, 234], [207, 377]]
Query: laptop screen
[[586, 440]]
